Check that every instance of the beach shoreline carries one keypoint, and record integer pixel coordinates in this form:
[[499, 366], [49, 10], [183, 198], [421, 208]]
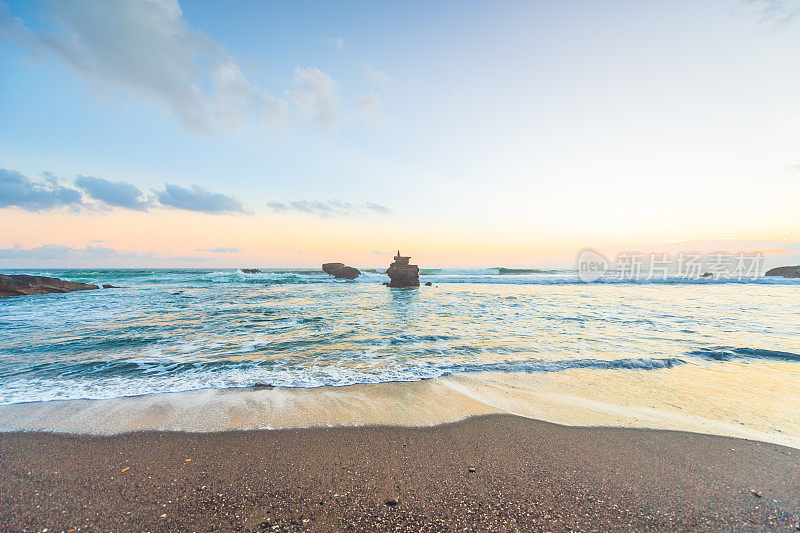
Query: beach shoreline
[[493, 471], [750, 401]]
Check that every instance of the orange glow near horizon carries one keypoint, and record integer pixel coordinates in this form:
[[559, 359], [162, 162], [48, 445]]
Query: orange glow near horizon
[[182, 238]]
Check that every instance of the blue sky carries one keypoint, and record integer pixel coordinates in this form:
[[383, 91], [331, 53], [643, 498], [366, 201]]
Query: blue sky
[[470, 132]]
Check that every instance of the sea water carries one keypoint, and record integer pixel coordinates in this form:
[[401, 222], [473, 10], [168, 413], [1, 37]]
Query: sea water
[[170, 331]]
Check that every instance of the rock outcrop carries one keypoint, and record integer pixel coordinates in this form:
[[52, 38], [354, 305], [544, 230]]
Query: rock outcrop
[[785, 271], [23, 285], [341, 271], [401, 273], [250, 270]]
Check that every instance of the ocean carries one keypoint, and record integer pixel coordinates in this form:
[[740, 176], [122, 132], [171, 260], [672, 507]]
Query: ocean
[[180, 330]]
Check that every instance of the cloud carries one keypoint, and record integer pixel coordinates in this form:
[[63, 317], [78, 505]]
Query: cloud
[[113, 193], [61, 252], [338, 42], [198, 199], [369, 104], [329, 208], [317, 96], [149, 49], [375, 74], [772, 14], [221, 250], [17, 190], [377, 208]]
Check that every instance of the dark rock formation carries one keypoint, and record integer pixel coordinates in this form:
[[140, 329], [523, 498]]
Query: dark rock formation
[[250, 270], [401, 273], [707, 275], [341, 271], [108, 286], [21, 285], [429, 284], [785, 271]]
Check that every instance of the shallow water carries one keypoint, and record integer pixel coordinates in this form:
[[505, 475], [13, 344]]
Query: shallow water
[[303, 329]]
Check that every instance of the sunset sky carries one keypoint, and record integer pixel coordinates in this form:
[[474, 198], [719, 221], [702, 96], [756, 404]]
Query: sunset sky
[[205, 133]]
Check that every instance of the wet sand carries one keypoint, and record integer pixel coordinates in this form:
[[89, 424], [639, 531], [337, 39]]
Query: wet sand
[[528, 475]]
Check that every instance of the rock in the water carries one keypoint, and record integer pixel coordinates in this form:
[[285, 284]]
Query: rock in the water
[[250, 270], [707, 275], [429, 284], [109, 286], [341, 271], [401, 273], [262, 385], [785, 271], [22, 285]]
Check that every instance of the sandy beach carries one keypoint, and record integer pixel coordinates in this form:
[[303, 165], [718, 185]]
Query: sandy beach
[[498, 472]]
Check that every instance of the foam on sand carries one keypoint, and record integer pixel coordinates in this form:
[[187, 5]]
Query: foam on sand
[[673, 398]]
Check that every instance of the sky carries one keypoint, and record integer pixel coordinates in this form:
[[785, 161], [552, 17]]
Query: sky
[[154, 133]]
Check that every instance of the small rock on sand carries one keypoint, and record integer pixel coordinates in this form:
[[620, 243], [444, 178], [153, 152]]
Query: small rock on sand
[[391, 502]]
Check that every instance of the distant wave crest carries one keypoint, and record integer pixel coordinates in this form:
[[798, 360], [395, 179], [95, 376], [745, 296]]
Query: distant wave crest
[[728, 353]]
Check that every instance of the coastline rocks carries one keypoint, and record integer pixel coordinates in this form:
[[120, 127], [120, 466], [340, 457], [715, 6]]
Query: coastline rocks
[[401, 273], [250, 271], [784, 271], [341, 271], [109, 286], [24, 285]]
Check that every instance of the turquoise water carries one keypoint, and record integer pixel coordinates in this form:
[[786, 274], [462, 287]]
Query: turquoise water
[[181, 330]]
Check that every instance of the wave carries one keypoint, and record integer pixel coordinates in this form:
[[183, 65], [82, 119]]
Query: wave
[[516, 271], [113, 379], [106, 379], [728, 353]]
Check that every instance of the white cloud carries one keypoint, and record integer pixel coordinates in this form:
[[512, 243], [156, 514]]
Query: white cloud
[[148, 48], [221, 250], [338, 42], [198, 199], [375, 74], [18, 190], [62, 252], [113, 193], [317, 96], [369, 104], [773, 14], [329, 208]]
